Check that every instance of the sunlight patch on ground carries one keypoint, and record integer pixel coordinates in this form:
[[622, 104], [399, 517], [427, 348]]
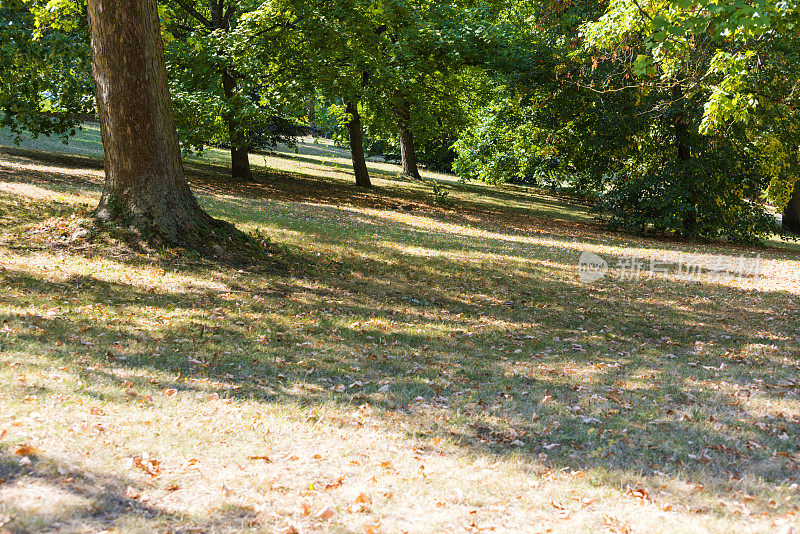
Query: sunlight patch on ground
[[62, 268], [35, 192], [41, 498]]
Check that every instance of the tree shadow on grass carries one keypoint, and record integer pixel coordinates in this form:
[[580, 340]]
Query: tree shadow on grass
[[494, 354], [641, 408]]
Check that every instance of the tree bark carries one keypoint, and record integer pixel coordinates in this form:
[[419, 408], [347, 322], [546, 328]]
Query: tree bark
[[408, 153], [145, 185], [791, 213], [357, 146], [240, 160]]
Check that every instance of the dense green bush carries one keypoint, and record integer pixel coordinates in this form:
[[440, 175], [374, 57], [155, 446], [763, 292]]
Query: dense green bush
[[503, 144]]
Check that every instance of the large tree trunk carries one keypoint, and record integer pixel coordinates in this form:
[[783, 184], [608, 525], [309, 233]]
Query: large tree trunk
[[357, 146], [240, 161], [408, 153], [791, 213], [145, 185]]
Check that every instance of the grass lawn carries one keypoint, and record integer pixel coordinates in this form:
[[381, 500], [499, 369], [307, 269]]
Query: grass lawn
[[406, 366]]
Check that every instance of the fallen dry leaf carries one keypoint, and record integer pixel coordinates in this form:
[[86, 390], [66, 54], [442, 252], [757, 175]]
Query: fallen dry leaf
[[614, 524], [24, 450], [638, 493], [325, 514], [151, 466], [334, 485]]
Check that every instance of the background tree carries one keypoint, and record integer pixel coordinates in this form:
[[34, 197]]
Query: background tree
[[648, 106], [322, 47], [223, 94], [427, 50], [524, 112], [389, 64], [206, 79]]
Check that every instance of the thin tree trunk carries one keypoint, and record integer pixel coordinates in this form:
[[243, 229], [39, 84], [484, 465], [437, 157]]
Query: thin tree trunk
[[791, 213], [240, 161], [408, 154], [145, 185], [357, 146]]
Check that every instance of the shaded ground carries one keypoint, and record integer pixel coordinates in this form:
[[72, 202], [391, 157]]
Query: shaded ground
[[418, 368]]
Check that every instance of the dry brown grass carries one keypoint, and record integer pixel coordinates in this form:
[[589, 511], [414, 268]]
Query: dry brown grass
[[417, 368]]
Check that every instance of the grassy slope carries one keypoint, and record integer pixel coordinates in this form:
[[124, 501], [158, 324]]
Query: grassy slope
[[417, 369]]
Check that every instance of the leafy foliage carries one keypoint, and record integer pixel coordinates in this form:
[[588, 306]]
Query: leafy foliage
[[651, 113], [716, 190], [502, 144], [703, 60], [45, 74]]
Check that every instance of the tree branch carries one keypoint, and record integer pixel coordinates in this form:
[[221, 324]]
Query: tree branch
[[230, 12], [195, 14], [642, 11]]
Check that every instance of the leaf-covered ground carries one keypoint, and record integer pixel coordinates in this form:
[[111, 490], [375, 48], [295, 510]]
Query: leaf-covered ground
[[406, 366]]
